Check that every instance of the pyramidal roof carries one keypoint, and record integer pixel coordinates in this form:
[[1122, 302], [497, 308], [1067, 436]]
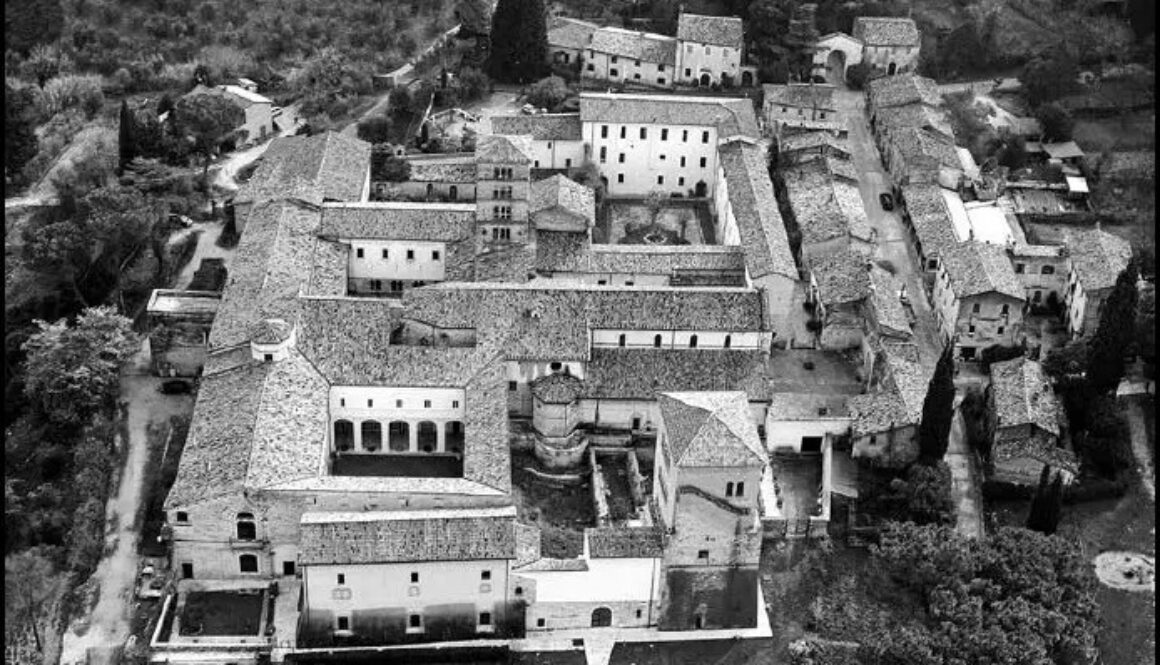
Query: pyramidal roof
[[710, 429], [496, 149]]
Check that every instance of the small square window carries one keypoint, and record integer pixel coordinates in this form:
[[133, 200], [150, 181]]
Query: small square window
[[414, 578], [426, 404], [182, 517], [540, 623], [344, 623], [662, 158], [1019, 268], [703, 554], [1000, 330], [269, 357], [513, 386], [485, 575], [410, 255], [485, 618]]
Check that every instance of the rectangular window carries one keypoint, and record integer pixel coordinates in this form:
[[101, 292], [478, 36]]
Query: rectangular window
[[359, 252], [513, 386], [704, 137], [415, 622], [591, 67], [660, 68], [540, 623], [999, 330], [604, 131], [623, 131], [485, 575], [703, 554], [603, 154], [644, 132], [485, 618], [568, 163], [410, 255], [455, 404], [660, 80], [426, 404], [398, 404], [182, 517], [344, 623], [685, 135], [971, 329], [376, 285], [1019, 268], [681, 181], [613, 72], [662, 158], [613, 60], [660, 180], [414, 578], [975, 308], [664, 134], [704, 162], [385, 254], [620, 158], [682, 161], [620, 178], [434, 255], [341, 579], [370, 403]]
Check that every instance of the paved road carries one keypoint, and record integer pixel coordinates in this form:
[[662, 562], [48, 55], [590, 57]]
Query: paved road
[[893, 242], [1134, 410], [108, 625], [965, 493]]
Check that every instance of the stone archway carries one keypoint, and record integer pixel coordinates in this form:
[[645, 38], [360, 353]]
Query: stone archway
[[601, 617], [891, 69], [836, 66], [747, 79], [706, 80]]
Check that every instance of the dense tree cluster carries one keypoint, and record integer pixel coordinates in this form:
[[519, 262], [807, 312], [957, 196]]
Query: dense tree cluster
[[519, 41], [938, 410]]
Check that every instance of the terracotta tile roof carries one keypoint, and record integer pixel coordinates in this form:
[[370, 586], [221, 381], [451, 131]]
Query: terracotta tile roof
[[907, 376], [564, 193], [644, 373], [710, 429], [557, 388], [914, 115], [889, 314], [328, 268], [885, 31], [404, 536], [643, 46], [825, 207], [1098, 257], [923, 151], [800, 95], [289, 440], [324, 167], [514, 264], [715, 30], [634, 542], [975, 268], [571, 252], [758, 220], [808, 140], [570, 33], [453, 169], [930, 217], [841, 277], [433, 222], [217, 452], [731, 116], [903, 89], [878, 412], [272, 264], [1023, 395], [493, 149], [541, 127], [807, 406], [899, 400], [270, 331]]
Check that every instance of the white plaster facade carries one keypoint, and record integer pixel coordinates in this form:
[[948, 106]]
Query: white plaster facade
[[638, 158], [396, 260], [705, 64]]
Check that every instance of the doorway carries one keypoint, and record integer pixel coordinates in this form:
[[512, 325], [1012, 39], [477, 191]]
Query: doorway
[[891, 69], [287, 568], [601, 617]]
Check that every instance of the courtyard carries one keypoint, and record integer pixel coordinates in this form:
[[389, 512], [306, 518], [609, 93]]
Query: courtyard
[[677, 222]]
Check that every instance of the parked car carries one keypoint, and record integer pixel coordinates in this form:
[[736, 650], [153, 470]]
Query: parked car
[[887, 201], [149, 583], [176, 387]]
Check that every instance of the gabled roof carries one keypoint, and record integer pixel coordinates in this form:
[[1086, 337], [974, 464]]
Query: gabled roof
[[643, 46], [800, 95], [393, 220], [1098, 257], [920, 149], [914, 115], [408, 535], [313, 169], [825, 207], [572, 252], [755, 208], [886, 31], [452, 169], [731, 116], [889, 314], [809, 140], [714, 30], [1023, 395], [541, 127], [710, 429], [564, 193], [564, 32], [634, 542], [975, 268], [902, 89], [493, 149], [641, 374], [930, 217], [841, 277]]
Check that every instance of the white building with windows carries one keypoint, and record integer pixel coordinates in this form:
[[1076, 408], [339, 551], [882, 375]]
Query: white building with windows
[[710, 50]]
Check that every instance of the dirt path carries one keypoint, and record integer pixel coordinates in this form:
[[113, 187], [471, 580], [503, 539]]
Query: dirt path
[[108, 624], [964, 490], [1140, 447]]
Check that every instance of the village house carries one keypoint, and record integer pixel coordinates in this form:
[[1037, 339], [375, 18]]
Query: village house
[[1026, 422], [827, 207], [839, 287], [568, 39], [557, 138], [889, 44], [435, 177], [808, 146], [978, 300], [640, 58], [1043, 271], [798, 105], [179, 324], [710, 51], [1096, 260], [929, 222], [885, 419]]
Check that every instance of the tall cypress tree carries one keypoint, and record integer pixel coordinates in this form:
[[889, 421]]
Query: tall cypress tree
[[1047, 504], [519, 41], [938, 411], [1115, 332], [126, 145]]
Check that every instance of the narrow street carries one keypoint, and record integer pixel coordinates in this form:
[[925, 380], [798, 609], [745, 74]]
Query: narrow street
[[965, 492], [893, 242], [108, 623], [1134, 413]]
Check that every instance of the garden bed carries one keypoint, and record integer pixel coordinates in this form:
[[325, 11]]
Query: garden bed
[[225, 613], [560, 510]]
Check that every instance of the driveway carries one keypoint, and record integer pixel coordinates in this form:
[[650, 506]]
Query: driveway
[[207, 248], [893, 239], [108, 624]]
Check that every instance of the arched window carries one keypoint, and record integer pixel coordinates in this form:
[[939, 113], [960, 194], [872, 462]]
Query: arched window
[[430, 190], [657, 341], [729, 489], [248, 563], [372, 435], [453, 436], [343, 435], [247, 530], [728, 341], [740, 490], [453, 192], [399, 437], [620, 342], [428, 436], [693, 342], [601, 617]]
